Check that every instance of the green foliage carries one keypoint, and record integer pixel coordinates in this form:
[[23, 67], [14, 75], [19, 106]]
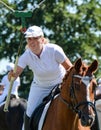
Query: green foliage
[[73, 25]]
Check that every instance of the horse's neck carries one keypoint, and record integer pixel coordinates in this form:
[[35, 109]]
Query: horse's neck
[[65, 93], [63, 106], [65, 100], [66, 85]]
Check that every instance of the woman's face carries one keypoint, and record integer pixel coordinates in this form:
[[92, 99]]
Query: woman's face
[[35, 43]]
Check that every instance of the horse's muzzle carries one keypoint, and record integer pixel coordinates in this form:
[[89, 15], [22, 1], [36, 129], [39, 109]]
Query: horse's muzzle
[[87, 117], [87, 120]]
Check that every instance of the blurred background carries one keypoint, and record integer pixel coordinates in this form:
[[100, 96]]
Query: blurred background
[[75, 25]]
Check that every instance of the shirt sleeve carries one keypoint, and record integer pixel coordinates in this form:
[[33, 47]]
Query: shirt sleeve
[[60, 55]]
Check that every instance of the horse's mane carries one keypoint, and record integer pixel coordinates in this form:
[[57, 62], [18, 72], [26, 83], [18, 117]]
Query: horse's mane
[[66, 75]]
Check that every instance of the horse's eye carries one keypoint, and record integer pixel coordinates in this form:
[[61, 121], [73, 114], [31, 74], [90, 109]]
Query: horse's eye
[[77, 86]]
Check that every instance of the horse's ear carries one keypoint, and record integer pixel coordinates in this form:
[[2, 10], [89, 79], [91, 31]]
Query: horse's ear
[[78, 64], [93, 67]]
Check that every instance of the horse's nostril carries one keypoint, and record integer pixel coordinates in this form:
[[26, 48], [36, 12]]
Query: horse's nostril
[[83, 120], [87, 120]]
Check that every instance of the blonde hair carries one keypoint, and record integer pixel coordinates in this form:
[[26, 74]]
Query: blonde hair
[[26, 47], [46, 40]]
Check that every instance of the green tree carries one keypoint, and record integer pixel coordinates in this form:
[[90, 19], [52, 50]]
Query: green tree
[[72, 24]]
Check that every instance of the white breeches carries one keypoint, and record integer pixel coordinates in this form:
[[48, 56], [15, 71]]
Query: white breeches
[[36, 96]]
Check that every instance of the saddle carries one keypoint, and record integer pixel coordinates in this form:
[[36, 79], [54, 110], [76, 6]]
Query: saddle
[[36, 115]]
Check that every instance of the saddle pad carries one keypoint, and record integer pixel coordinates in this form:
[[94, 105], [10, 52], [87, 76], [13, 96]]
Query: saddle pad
[[39, 114], [41, 122], [43, 116]]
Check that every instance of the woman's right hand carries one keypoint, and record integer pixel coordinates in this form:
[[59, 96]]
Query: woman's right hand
[[15, 74], [10, 75]]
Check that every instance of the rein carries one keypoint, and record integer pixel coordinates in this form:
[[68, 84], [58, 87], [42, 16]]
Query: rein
[[76, 107]]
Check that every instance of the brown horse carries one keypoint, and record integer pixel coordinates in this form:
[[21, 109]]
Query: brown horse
[[73, 108], [13, 119]]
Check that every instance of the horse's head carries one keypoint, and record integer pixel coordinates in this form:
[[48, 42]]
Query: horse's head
[[80, 84]]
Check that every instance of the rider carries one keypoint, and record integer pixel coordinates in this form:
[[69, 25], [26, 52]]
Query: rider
[[6, 82], [48, 63]]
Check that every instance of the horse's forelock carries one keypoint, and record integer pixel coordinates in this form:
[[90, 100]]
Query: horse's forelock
[[68, 72]]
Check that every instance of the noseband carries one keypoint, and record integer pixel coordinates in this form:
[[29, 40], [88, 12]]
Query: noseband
[[75, 106]]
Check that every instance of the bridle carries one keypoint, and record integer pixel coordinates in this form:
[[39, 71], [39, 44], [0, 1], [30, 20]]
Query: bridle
[[86, 80], [75, 105]]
